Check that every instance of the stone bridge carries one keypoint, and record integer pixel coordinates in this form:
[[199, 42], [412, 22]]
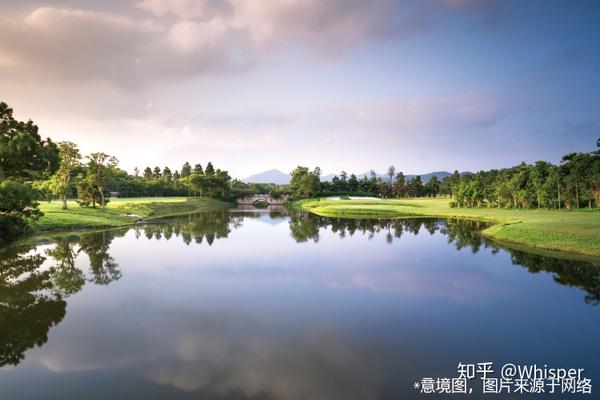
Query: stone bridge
[[251, 200]]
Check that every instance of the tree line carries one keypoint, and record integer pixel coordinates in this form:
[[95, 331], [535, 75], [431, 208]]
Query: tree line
[[94, 178], [571, 184], [306, 183], [33, 169]]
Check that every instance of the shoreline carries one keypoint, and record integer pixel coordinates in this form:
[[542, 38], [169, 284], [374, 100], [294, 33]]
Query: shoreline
[[574, 233], [118, 213]]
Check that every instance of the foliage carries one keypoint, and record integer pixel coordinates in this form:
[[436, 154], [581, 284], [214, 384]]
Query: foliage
[[304, 183], [70, 158], [32, 297], [23, 153], [17, 206], [24, 156], [574, 183]]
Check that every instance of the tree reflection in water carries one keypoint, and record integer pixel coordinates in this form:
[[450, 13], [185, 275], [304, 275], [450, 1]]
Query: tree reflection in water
[[198, 227], [34, 286], [460, 233]]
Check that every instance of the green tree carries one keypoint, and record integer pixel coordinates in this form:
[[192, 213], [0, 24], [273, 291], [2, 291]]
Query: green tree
[[70, 158], [186, 170], [24, 156], [210, 170], [99, 168], [399, 185], [352, 183], [147, 173], [156, 173], [167, 175], [305, 183], [23, 153], [391, 173]]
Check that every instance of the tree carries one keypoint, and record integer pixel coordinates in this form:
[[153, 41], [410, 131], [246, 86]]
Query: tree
[[17, 206], [304, 183], [167, 175], [23, 156], [23, 153], [136, 172], [352, 183], [156, 173], [198, 169], [147, 173], [99, 168], [391, 173], [186, 170], [210, 170], [399, 185], [432, 188], [70, 158], [415, 187]]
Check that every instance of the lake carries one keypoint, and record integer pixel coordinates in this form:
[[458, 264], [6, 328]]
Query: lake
[[244, 304]]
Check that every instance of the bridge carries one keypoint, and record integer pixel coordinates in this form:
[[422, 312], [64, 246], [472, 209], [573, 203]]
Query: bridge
[[251, 200]]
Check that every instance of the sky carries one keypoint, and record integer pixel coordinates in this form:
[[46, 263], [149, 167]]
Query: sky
[[350, 85]]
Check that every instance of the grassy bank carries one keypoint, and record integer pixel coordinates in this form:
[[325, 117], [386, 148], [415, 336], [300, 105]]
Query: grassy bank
[[119, 212], [575, 232]]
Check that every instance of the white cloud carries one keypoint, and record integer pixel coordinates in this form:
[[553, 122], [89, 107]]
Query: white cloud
[[189, 37], [186, 8]]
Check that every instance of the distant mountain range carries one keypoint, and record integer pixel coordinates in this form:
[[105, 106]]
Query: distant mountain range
[[270, 176], [281, 178]]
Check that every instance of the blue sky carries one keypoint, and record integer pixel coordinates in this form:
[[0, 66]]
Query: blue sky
[[342, 84]]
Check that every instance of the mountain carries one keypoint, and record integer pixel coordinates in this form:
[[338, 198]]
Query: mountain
[[270, 176], [424, 177]]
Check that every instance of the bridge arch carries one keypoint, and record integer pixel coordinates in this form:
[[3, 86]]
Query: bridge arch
[[251, 200]]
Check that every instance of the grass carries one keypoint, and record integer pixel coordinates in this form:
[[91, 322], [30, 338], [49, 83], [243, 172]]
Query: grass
[[118, 212], [572, 231]]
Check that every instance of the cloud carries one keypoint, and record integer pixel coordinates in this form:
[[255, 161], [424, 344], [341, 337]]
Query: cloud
[[68, 45], [175, 39], [461, 111], [76, 44], [203, 9]]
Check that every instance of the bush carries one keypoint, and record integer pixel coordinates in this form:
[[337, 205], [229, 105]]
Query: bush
[[261, 204], [17, 208]]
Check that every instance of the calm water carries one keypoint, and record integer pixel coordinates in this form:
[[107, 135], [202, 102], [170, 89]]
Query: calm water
[[238, 305]]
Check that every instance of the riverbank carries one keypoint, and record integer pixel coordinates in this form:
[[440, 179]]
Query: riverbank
[[119, 212], [576, 231]]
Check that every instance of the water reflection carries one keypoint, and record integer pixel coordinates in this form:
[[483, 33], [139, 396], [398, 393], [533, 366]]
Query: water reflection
[[464, 233], [198, 228], [29, 305], [188, 330], [34, 286], [461, 234]]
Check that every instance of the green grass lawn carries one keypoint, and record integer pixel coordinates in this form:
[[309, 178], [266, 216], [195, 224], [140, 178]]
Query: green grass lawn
[[118, 212], [560, 230]]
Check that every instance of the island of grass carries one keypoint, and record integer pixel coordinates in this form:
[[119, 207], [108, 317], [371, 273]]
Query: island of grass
[[571, 231], [119, 212]]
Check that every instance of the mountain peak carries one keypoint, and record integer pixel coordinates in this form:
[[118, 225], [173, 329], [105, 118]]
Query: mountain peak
[[271, 176]]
